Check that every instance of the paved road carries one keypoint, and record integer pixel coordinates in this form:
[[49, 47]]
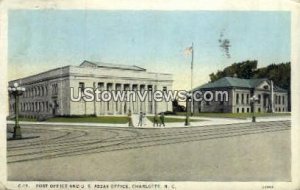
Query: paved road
[[69, 143]]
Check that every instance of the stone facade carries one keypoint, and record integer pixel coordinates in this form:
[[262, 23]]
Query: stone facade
[[49, 93], [239, 94]]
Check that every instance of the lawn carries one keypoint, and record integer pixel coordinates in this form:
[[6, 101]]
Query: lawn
[[101, 119], [86, 119], [171, 119], [237, 115], [23, 119]]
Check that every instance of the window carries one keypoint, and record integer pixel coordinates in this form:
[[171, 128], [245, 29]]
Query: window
[[237, 110], [247, 98], [42, 91], [237, 99], [259, 97], [54, 89], [164, 89], [242, 98], [47, 106], [100, 85], [283, 100], [248, 110], [243, 110], [279, 100], [259, 110]]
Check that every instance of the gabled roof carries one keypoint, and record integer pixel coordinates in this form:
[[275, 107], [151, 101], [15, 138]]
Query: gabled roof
[[86, 63], [231, 82]]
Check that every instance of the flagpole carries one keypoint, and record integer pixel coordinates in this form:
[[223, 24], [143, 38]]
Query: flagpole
[[192, 65]]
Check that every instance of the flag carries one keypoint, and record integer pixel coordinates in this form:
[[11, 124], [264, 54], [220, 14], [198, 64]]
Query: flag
[[188, 51]]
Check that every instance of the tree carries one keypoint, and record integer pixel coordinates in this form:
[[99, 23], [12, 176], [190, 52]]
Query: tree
[[243, 69]]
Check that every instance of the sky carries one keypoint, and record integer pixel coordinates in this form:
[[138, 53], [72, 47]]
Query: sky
[[39, 40]]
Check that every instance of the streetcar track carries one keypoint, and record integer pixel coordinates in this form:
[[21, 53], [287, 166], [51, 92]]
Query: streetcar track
[[204, 131], [121, 142], [183, 137], [65, 141], [134, 147]]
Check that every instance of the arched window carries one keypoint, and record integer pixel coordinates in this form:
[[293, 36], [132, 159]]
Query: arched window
[[47, 106], [42, 106], [42, 91], [39, 91]]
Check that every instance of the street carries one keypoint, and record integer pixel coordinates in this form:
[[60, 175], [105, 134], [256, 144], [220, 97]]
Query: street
[[236, 152]]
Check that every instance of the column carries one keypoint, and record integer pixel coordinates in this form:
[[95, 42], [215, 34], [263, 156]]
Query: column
[[104, 104], [118, 89], [138, 101], [130, 101], [113, 103], [121, 107], [95, 101], [154, 103], [146, 100]]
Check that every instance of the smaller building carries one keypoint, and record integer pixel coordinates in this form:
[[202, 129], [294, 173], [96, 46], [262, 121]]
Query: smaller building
[[271, 98]]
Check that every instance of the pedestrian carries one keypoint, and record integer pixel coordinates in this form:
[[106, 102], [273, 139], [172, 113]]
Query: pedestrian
[[129, 119], [162, 119], [140, 119], [155, 120], [144, 119]]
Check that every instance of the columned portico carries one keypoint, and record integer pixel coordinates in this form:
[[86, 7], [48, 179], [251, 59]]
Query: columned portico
[[145, 105]]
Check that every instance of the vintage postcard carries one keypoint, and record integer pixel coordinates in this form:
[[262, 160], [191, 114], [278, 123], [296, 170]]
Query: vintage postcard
[[138, 95]]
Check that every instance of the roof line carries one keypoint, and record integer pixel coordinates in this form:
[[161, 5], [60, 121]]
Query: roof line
[[58, 68]]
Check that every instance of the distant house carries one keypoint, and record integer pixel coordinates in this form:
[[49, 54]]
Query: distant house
[[239, 93]]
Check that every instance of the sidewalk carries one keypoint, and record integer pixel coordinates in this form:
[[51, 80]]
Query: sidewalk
[[72, 124], [146, 122], [203, 121]]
